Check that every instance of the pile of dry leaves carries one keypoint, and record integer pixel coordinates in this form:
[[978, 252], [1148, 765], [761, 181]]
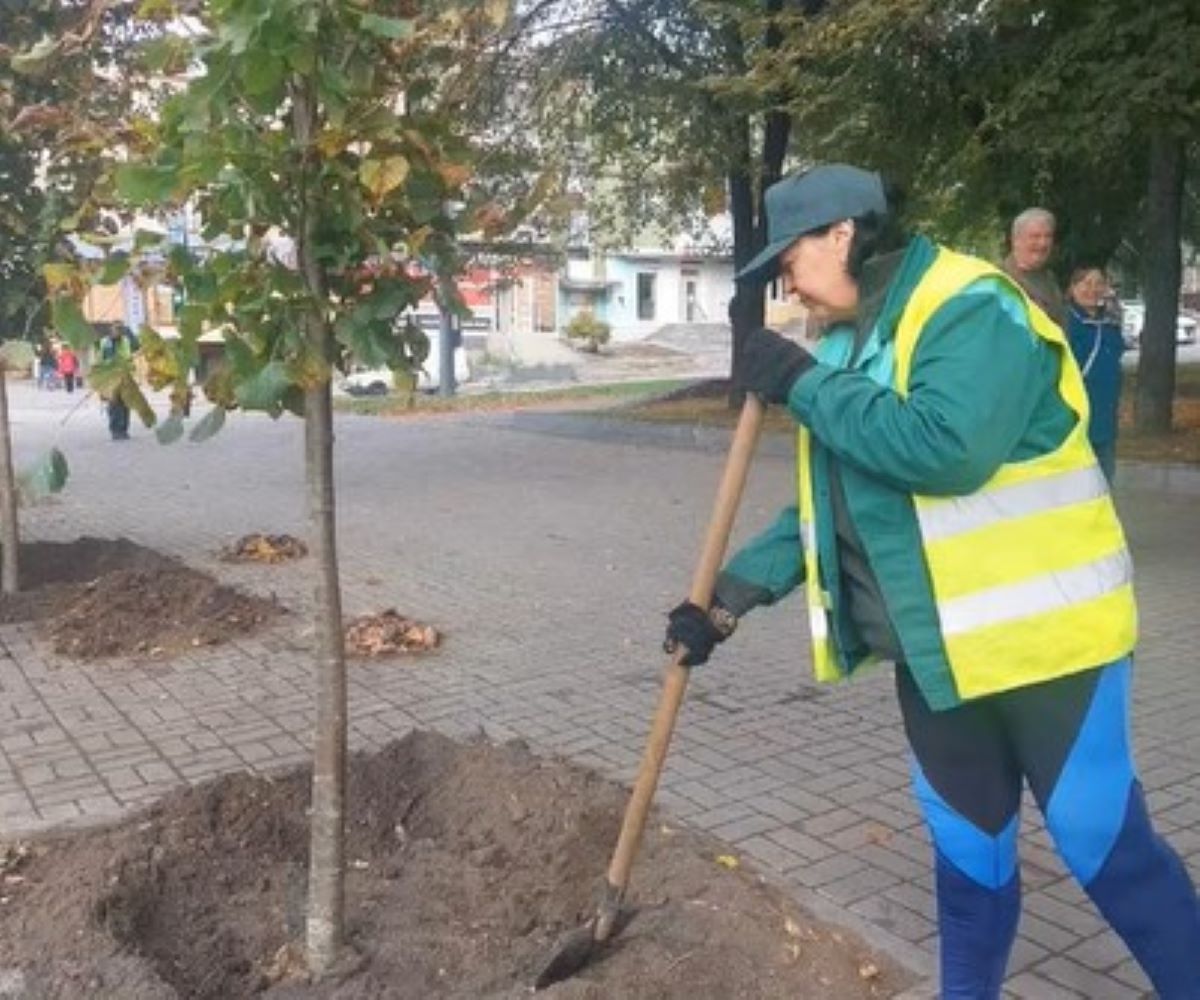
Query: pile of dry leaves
[[258, 547], [389, 632]]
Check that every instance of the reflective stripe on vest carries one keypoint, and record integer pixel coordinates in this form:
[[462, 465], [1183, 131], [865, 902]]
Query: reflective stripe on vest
[[1030, 574], [962, 514], [825, 662]]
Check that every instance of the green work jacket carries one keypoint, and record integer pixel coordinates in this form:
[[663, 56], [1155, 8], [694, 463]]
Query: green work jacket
[[988, 395]]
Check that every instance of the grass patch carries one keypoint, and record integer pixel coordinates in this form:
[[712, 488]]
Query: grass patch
[[1183, 443], [573, 397]]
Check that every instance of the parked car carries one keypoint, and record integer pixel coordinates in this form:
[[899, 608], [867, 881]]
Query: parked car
[[1133, 318], [363, 381]]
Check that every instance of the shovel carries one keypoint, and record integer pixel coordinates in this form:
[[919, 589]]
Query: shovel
[[581, 945]]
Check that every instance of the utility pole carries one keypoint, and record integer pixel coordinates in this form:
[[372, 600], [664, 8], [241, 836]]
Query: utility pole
[[448, 337]]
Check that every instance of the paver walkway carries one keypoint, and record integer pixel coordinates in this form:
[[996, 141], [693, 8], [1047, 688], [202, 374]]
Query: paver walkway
[[547, 548]]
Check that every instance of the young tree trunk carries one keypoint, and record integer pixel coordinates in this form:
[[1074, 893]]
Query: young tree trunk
[[9, 534], [327, 836], [326, 872], [1163, 273]]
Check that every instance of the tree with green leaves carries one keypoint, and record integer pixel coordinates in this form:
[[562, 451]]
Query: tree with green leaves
[[980, 110], [69, 81], [636, 96], [322, 144]]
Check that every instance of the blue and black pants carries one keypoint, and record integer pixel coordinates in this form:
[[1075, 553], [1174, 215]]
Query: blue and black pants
[[1069, 739]]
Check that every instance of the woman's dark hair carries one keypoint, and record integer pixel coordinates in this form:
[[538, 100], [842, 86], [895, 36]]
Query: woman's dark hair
[[1079, 270], [876, 234]]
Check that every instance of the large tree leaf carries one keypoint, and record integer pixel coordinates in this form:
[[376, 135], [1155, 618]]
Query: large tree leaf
[[68, 321], [386, 27], [265, 389], [264, 76], [208, 425], [106, 376], [170, 430], [37, 60], [132, 396], [47, 475], [60, 277], [381, 177], [425, 198], [114, 269], [145, 184]]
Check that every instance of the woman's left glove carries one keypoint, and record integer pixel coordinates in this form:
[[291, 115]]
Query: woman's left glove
[[770, 365], [698, 631]]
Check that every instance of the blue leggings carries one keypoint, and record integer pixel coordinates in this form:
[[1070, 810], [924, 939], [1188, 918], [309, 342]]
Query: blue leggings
[[1069, 738]]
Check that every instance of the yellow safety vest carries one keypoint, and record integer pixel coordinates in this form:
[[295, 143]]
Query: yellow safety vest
[[1031, 575]]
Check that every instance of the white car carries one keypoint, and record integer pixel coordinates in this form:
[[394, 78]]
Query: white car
[[363, 381], [1133, 318]]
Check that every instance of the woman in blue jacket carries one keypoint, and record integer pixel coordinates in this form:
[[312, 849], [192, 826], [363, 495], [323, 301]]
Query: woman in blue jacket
[[1096, 342]]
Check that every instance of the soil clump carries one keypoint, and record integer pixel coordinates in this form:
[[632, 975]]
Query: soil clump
[[95, 598]]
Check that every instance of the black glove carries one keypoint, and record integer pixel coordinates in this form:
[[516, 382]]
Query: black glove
[[697, 630], [771, 364]]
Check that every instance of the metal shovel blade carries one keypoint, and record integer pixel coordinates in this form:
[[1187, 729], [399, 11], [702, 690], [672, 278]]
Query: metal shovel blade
[[574, 952]]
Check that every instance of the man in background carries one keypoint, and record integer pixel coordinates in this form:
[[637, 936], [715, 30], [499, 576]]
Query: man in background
[[120, 343], [1032, 242]]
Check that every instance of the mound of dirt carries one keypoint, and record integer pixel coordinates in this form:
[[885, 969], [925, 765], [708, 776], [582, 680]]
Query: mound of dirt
[[97, 597], [465, 864]]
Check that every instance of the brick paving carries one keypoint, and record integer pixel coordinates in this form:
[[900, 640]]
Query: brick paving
[[547, 547]]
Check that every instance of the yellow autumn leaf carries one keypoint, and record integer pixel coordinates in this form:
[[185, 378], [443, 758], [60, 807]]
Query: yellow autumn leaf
[[497, 11], [416, 239], [307, 370], [331, 142], [454, 175], [131, 395], [59, 277], [380, 177], [728, 861]]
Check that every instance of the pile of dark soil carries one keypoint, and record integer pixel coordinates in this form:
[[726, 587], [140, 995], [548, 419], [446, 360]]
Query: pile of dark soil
[[465, 865], [97, 597]]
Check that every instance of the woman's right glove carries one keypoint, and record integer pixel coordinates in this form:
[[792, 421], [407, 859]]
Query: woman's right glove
[[771, 364], [698, 631]]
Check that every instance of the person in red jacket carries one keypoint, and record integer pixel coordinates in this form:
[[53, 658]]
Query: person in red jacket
[[68, 366]]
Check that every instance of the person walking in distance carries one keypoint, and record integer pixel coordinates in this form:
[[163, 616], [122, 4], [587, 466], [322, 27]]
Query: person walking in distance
[[68, 366], [118, 344]]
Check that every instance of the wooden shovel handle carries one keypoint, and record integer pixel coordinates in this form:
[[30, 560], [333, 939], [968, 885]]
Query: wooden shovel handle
[[716, 541]]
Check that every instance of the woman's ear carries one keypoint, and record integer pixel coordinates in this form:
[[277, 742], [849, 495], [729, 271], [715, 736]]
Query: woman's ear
[[843, 236]]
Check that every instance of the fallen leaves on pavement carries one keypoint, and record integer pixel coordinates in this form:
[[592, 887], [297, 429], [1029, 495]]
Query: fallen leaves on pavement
[[389, 632], [258, 547]]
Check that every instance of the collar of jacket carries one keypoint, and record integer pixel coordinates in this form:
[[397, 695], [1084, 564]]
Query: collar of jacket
[[1101, 318], [885, 286]]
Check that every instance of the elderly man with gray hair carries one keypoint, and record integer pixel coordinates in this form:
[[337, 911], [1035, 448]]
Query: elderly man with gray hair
[[1032, 241]]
